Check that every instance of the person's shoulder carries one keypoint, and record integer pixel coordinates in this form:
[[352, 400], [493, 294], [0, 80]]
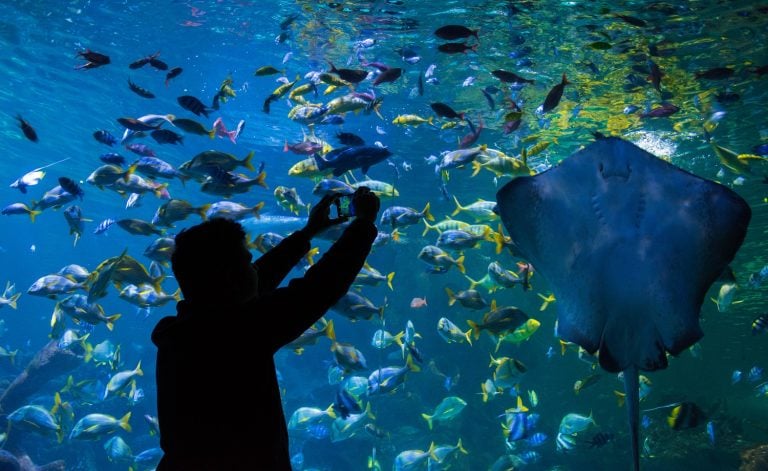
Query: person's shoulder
[[162, 328]]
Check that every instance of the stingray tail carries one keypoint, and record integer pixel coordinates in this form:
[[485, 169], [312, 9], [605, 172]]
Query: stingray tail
[[632, 391]]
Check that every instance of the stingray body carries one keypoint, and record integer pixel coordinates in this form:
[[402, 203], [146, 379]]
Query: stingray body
[[629, 244]]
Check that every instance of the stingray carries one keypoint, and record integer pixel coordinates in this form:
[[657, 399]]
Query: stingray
[[629, 245]]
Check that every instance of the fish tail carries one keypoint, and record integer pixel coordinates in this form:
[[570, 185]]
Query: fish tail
[[498, 238], [33, 213], [484, 392], [451, 296], [202, 211], [427, 214], [475, 329], [129, 172], [111, 321], [312, 252], [632, 391], [565, 80], [88, 355], [428, 418], [389, 280], [257, 209], [261, 179], [460, 264], [476, 166], [458, 209], [12, 301], [246, 162], [330, 331], [472, 283], [427, 227], [124, 422]]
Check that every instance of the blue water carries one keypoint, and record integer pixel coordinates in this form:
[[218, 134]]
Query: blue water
[[214, 40]]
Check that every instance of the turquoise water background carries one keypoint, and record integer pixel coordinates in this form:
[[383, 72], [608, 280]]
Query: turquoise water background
[[213, 40]]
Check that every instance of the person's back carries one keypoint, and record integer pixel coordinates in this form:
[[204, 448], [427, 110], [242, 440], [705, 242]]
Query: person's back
[[219, 403]]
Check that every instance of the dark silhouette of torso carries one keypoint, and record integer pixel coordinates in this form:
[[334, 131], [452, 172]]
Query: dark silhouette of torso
[[219, 405]]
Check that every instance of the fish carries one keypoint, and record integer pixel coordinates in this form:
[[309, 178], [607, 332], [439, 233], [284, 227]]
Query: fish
[[453, 32], [137, 125], [94, 59], [75, 220], [71, 187], [601, 301], [142, 92], [449, 408], [760, 324], [173, 73], [684, 416], [166, 136], [510, 77], [349, 139], [190, 103], [417, 303], [21, 208], [266, 70], [661, 111], [112, 158], [105, 137], [717, 73], [139, 227], [553, 97], [104, 226], [632, 20], [456, 48], [33, 177], [27, 129], [350, 158], [445, 111], [95, 426], [349, 75], [389, 75]]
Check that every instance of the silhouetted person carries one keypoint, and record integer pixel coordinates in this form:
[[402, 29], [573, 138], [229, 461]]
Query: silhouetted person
[[218, 399]]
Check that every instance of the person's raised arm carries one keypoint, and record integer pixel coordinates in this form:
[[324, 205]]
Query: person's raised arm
[[275, 265], [305, 300]]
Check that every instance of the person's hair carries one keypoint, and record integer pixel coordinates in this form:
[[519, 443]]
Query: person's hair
[[203, 252]]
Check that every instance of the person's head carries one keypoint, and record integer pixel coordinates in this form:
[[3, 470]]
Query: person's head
[[212, 263]]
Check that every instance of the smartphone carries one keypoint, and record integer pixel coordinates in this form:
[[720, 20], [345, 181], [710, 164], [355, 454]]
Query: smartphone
[[345, 207]]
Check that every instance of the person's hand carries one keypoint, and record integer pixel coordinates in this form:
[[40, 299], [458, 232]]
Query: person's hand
[[319, 216], [366, 204]]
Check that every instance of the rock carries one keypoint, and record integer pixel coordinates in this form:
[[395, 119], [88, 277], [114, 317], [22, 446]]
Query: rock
[[755, 459]]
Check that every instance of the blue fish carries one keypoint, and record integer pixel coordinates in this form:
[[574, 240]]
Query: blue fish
[[112, 158], [105, 137], [711, 432], [531, 457], [104, 226], [762, 149], [645, 422], [345, 404], [755, 373], [537, 439], [736, 376], [517, 427], [351, 158], [319, 431]]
